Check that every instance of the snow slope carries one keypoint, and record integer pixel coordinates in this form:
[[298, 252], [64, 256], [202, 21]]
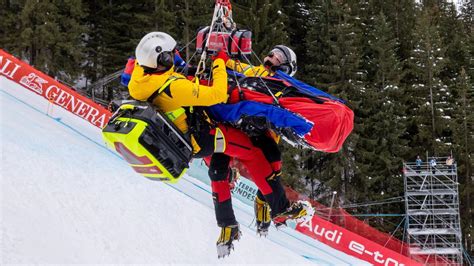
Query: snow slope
[[67, 199]]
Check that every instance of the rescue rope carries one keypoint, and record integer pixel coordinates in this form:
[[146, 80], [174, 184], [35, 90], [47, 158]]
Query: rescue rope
[[218, 12], [253, 69], [186, 45], [223, 14]]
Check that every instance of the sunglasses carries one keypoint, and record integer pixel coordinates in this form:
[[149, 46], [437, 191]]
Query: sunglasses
[[279, 56]]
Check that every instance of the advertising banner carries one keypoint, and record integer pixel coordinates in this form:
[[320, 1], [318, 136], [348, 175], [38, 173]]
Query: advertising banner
[[52, 90], [245, 190], [351, 243]]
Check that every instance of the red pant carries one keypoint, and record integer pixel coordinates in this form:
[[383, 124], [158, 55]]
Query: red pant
[[239, 146]]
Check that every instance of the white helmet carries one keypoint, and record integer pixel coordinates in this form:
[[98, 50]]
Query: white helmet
[[289, 66], [156, 49]]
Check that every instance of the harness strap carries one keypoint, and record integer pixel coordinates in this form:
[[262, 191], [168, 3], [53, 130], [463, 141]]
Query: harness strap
[[172, 115], [162, 88]]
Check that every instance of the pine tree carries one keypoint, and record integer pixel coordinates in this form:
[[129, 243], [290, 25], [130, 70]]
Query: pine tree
[[381, 146], [9, 26], [115, 28], [320, 23], [382, 98], [428, 91], [401, 15], [334, 42], [294, 170], [192, 16], [452, 40], [51, 36], [297, 28], [164, 16], [462, 122], [266, 19], [467, 17]]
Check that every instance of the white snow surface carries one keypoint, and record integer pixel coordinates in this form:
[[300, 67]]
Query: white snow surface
[[66, 199]]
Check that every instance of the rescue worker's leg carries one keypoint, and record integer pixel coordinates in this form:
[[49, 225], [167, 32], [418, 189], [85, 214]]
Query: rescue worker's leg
[[283, 209], [238, 145], [277, 199], [218, 172], [233, 175], [280, 202], [271, 151], [262, 214]]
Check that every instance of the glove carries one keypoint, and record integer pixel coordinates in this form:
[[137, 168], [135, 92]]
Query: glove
[[222, 55], [254, 125]]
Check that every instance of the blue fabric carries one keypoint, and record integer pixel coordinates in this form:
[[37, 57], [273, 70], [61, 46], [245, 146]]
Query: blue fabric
[[279, 117], [305, 88], [235, 74], [178, 61], [125, 79]]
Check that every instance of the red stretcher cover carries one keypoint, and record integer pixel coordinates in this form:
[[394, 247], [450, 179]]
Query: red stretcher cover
[[332, 120]]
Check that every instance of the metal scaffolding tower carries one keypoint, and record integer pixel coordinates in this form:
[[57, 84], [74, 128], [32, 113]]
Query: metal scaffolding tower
[[432, 209]]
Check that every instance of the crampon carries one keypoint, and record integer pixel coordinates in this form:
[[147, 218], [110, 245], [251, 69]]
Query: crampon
[[299, 211], [225, 242]]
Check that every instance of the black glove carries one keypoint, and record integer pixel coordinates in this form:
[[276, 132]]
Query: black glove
[[254, 125]]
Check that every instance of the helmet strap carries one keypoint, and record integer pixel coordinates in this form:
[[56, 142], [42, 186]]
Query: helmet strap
[[159, 70]]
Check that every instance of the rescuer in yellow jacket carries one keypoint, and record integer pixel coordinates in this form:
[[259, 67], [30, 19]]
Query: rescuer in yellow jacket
[[150, 75], [154, 79]]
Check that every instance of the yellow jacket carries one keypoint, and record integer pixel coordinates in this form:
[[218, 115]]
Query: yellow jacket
[[181, 92], [248, 70]]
